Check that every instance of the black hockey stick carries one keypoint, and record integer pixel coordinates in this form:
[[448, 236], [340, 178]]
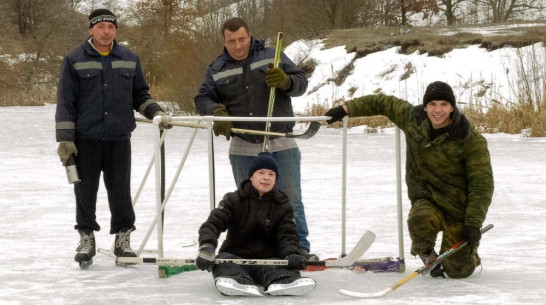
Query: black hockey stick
[[311, 131]]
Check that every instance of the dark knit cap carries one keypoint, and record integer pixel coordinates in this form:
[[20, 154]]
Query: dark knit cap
[[263, 160], [100, 15], [439, 91]]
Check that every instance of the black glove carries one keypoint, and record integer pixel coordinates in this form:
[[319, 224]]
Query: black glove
[[472, 235], [205, 259], [222, 127], [65, 149], [296, 261], [337, 114], [276, 77]]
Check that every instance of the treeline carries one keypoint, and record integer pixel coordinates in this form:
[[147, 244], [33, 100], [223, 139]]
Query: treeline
[[177, 39]]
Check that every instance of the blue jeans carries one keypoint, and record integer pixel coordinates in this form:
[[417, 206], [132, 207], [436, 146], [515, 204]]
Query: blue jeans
[[289, 181]]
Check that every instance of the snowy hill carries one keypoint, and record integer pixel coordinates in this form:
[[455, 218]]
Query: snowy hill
[[478, 76]]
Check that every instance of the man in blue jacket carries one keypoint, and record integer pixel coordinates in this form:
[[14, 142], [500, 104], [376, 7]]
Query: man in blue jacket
[[238, 83], [100, 84]]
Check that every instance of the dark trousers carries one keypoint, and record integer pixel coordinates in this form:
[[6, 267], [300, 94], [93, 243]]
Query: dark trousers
[[259, 274], [113, 160]]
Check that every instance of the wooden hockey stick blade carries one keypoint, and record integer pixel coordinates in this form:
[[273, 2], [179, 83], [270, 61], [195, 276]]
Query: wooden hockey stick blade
[[363, 244], [311, 131], [412, 275], [348, 260]]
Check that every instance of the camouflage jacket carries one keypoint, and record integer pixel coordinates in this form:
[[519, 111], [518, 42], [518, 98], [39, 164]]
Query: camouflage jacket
[[453, 171]]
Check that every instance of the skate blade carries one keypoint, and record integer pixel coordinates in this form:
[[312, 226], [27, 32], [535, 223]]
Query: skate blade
[[298, 287], [86, 264], [125, 265], [230, 287]]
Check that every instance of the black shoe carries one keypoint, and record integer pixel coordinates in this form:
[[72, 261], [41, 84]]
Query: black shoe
[[428, 258], [310, 257], [123, 244]]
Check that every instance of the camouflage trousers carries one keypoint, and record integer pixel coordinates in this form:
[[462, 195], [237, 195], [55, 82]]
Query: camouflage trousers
[[425, 221]]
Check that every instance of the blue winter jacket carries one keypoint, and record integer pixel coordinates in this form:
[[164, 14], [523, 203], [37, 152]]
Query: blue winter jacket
[[97, 94], [241, 87]]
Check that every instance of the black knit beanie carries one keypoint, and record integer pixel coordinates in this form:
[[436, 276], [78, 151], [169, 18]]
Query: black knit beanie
[[263, 160], [100, 15], [439, 91]]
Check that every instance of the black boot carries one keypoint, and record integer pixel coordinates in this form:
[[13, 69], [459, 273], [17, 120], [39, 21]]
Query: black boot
[[429, 257], [123, 244], [86, 249]]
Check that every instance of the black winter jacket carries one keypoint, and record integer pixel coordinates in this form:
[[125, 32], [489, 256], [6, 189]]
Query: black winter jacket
[[97, 94], [241, 87], [256, 228]]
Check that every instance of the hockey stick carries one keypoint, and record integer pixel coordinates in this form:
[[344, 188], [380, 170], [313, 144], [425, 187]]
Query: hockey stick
[[311, 131], [313, 128], [423, 270], [362, 246], [175, 123], [271, 103]]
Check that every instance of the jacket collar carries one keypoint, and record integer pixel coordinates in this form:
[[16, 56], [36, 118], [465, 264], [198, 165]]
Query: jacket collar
[[90, 48]]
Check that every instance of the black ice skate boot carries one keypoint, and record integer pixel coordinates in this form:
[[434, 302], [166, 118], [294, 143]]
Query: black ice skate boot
[[123, 246], [86, 249], [429, 257]]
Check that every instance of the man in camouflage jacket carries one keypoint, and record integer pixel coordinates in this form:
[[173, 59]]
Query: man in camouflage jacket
[[448, 173]]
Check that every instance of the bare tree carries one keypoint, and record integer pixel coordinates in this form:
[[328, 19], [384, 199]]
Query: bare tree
[[316, 16], [503, 10], [22, 14], [40, 32], [164, 35], [450, 6], [73, 4]]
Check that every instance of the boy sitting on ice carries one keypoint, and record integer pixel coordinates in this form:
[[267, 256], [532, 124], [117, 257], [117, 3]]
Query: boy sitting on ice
[[260, 225]]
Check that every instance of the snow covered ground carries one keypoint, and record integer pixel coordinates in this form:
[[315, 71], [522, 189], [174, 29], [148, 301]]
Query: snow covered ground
[[38, 213], [476, 75]]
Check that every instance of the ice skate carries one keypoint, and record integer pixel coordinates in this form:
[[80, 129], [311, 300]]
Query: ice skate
[[288, 286], [86, 249], [229, 286], [123, 246]]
